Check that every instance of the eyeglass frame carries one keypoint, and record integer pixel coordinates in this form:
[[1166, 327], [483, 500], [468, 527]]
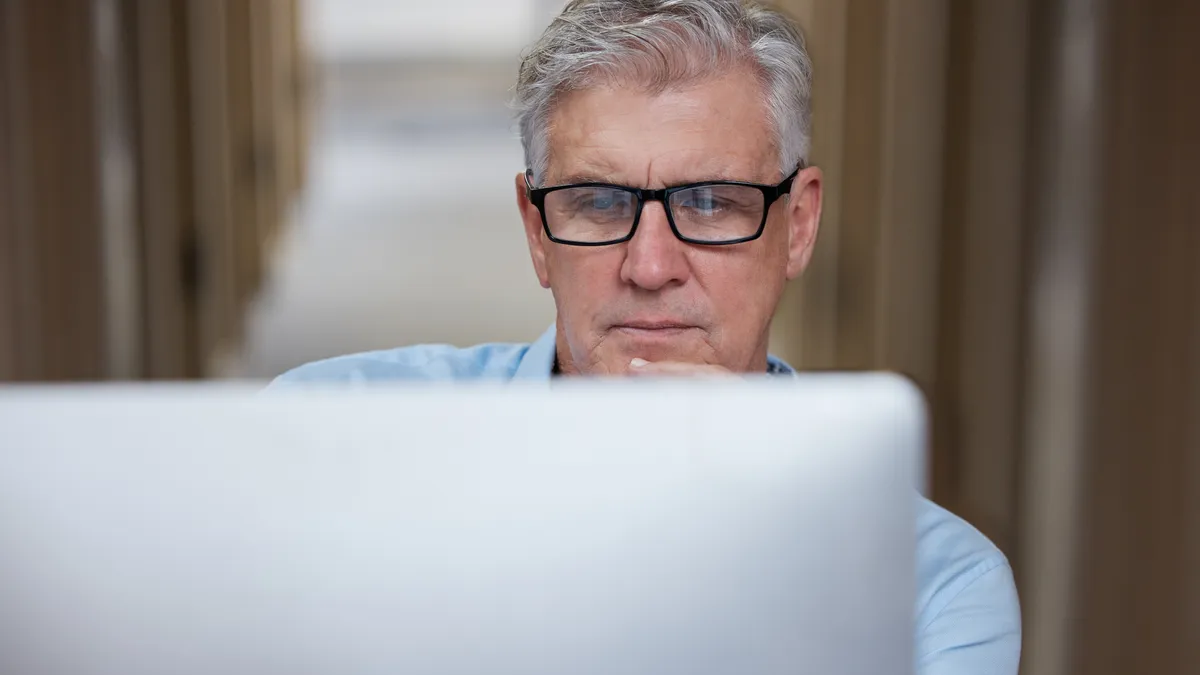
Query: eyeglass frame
[[771, 194]]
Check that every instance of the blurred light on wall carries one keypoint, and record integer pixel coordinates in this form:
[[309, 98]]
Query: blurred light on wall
[[390, 29]]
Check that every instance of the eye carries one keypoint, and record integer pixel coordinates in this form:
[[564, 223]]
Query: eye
[[602, 200], [703, 201]]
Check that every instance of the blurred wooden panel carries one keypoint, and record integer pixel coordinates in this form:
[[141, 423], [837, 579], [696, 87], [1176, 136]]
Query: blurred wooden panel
[[296, 82], [272, 116], [9, 41], [1064, 301], [977, 421], [1190, 592], [113, 26], [61, 330], [804, 331], [219, 314], [243, 63], [1064, 82], [869, 298], [248, 149], [165, 155], [860, 232], [911, 188], [1142, 396], [139, 181], [21, 302]]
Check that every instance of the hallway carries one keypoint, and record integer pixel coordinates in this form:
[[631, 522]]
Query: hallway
[[407, 232]]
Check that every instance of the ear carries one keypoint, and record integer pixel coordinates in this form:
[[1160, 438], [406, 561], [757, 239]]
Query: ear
[[534, 234], [804, 219]]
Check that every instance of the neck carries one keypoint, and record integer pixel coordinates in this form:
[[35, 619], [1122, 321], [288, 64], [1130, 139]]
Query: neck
[[563, 363]]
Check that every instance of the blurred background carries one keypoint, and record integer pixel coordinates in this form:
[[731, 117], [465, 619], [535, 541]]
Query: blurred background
[[224, 189]]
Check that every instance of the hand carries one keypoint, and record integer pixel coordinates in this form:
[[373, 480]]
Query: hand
[[642, 367]]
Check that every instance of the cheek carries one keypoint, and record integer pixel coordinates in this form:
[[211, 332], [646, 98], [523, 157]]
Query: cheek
[[744, 285], [582, 279]]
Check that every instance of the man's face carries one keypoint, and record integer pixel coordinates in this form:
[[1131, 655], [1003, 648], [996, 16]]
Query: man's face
[[655, 297]]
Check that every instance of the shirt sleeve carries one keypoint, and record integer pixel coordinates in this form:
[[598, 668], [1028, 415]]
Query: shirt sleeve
[[979, 629]]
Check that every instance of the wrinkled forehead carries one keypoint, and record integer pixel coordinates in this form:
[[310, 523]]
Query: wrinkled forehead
[[626, 131]]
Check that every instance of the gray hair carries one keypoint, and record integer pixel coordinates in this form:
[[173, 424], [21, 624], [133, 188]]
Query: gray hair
[[660, 44]]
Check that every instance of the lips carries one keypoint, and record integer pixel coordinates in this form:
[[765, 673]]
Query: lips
[[654, 325], [654, 328]]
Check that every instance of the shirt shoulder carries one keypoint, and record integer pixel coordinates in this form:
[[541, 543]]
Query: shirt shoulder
[[968, 613], [416, 363]]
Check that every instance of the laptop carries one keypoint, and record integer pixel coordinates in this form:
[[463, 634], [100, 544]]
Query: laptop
[[633, 528]]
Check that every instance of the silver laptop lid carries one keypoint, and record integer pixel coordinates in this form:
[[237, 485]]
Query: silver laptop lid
[[629, 528]]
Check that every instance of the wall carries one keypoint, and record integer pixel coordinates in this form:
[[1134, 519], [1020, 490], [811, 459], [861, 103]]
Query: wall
[[151, 149], [1012, 221]]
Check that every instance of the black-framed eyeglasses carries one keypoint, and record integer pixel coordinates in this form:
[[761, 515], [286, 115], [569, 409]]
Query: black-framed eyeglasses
[[712, 213]]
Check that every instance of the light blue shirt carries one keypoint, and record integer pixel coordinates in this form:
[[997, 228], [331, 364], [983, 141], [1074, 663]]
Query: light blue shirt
[[968, 621]]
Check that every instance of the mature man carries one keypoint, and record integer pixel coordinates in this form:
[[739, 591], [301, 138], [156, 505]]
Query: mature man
[[666, 204]]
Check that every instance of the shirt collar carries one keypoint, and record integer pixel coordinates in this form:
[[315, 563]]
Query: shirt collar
[[538, 362], [777, 366]]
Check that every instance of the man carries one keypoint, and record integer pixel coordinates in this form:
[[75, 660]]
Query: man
[[666, 204]]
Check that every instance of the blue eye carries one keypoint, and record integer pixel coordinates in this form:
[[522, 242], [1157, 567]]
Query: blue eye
[[701, 201], [602, 200]]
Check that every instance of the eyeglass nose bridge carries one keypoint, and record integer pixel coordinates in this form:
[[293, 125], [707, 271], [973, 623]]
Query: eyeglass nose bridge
[[645, 197]]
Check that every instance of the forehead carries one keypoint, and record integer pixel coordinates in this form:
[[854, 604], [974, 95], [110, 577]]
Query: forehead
[[716, 128]]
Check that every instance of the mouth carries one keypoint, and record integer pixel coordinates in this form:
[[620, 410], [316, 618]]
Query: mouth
[[653, 328]]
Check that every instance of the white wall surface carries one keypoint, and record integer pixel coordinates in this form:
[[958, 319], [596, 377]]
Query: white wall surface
[[350, 29]]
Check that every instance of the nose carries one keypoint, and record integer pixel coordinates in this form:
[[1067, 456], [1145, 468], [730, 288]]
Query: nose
[[654, 258]]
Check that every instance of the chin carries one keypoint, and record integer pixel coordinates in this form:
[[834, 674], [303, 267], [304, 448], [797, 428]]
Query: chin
[[681, 346]]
